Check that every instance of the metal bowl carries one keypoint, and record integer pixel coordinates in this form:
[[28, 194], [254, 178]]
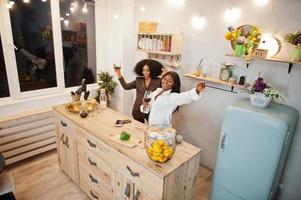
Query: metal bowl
[[75, 106]]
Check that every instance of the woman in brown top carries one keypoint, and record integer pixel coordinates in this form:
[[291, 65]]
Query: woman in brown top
[[147, 79]]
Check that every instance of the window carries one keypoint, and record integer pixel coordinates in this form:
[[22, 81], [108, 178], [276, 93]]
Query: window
[[32, 35], [78, 39], [4, 92]]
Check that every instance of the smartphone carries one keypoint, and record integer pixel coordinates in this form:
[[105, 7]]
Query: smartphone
[[126, 121], [118, 123]]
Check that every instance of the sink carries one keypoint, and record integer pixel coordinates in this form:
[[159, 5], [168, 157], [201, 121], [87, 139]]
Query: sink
[[75, 106]]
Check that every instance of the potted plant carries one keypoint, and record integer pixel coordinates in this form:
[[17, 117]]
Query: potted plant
[[261, 94], [295, 40], [105, 81]]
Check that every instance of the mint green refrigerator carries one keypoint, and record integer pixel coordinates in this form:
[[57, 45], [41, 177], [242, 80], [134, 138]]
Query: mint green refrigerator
[[252, 151]]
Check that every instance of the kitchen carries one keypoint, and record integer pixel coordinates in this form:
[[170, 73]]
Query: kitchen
[[114, 37]]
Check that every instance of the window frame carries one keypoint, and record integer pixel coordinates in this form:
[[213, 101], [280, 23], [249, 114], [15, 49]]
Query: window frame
[[10, 60]]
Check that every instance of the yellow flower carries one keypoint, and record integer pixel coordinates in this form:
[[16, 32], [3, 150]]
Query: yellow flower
[[228, 36]]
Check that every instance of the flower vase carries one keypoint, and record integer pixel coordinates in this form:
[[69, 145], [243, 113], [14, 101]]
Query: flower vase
[[296, 54], [259, 100], [239, 50]]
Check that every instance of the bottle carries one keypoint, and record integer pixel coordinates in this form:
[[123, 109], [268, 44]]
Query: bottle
[[103, 101]]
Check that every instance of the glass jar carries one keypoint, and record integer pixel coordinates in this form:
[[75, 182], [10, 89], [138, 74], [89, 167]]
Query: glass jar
[[160, 142]]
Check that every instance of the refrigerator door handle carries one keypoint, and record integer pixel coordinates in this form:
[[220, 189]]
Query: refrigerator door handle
[[223, 142]]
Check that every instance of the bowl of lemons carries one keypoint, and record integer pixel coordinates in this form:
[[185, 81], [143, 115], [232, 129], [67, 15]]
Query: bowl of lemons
[[160, 142]]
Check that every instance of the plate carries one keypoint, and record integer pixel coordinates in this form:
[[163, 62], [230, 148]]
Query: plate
[[145, 43], [157, 45]]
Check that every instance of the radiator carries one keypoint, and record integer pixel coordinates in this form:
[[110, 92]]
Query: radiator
[[26, 135]]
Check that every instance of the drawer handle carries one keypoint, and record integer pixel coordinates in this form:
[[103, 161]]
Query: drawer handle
[[67, 142], [132, 172], [62, 138], [93, 179], [137, 195], [63, 124], [91, 144], [127, 191], [93, 195], [92, 162]]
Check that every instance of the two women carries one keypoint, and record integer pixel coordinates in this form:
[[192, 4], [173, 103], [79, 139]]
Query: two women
[[147, 71]]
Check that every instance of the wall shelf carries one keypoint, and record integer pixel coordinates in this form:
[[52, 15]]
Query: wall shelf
[[218, 82], [281, 60], [160, 45]]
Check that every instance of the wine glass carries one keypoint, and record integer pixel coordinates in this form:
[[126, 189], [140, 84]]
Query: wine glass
[[117, 64], [147, 99]]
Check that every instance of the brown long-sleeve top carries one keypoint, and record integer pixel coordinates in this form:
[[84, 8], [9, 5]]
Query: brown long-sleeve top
[[139, 85]]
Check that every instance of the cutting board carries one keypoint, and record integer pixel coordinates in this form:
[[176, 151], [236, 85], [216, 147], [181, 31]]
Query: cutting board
[[132, 142]]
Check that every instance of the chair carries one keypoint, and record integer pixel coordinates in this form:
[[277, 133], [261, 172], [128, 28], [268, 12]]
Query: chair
[[6, 183]]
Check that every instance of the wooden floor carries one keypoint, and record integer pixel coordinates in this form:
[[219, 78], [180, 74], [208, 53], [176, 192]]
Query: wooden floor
[[40, 178]]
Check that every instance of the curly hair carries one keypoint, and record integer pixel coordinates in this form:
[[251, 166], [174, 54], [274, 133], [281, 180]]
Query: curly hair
[[155, 67]]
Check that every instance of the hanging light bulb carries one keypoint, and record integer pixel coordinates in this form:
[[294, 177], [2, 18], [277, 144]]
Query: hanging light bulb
[[10, 4], [261, 3], [43, 0], [198, 22], [116, 16], [67, 14], [26, 1], [232, 14], [142, 9], [177, 2], [72, 9], [66, 22], [62, 18], [85, 9]]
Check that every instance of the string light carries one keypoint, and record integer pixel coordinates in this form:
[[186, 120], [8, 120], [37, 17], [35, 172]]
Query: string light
[[142, 9], [43, 0], [198, 22], [232, 14], [10, 4], [66, 22], [67, 14], [85, 9], [177, 2], [261, 3], [26, 1], [62, 18]]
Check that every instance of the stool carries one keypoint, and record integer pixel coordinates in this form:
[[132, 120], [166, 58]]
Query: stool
[[6, 187]]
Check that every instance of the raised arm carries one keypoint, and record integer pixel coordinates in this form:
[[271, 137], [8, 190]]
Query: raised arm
[[124, 84], [187, 97]]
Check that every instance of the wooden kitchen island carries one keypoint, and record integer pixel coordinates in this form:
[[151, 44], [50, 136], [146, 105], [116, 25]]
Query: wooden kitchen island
[[107, 170]]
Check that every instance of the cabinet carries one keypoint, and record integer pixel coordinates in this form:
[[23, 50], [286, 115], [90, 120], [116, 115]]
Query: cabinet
[[67, 148], [107, 170]]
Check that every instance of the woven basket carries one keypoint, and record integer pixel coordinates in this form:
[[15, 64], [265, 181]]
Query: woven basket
[[148, 27]]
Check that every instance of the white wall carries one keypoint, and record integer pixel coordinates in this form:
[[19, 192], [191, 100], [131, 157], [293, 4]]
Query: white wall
[[200, 122]]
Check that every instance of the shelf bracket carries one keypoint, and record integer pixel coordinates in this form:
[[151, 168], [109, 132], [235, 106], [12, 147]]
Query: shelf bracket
[[290, 66], [232, 88]]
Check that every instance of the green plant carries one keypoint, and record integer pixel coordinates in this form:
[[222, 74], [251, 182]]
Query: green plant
[[105, 81]]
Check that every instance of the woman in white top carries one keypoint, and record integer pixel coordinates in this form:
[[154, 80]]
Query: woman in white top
[[166, 100]]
